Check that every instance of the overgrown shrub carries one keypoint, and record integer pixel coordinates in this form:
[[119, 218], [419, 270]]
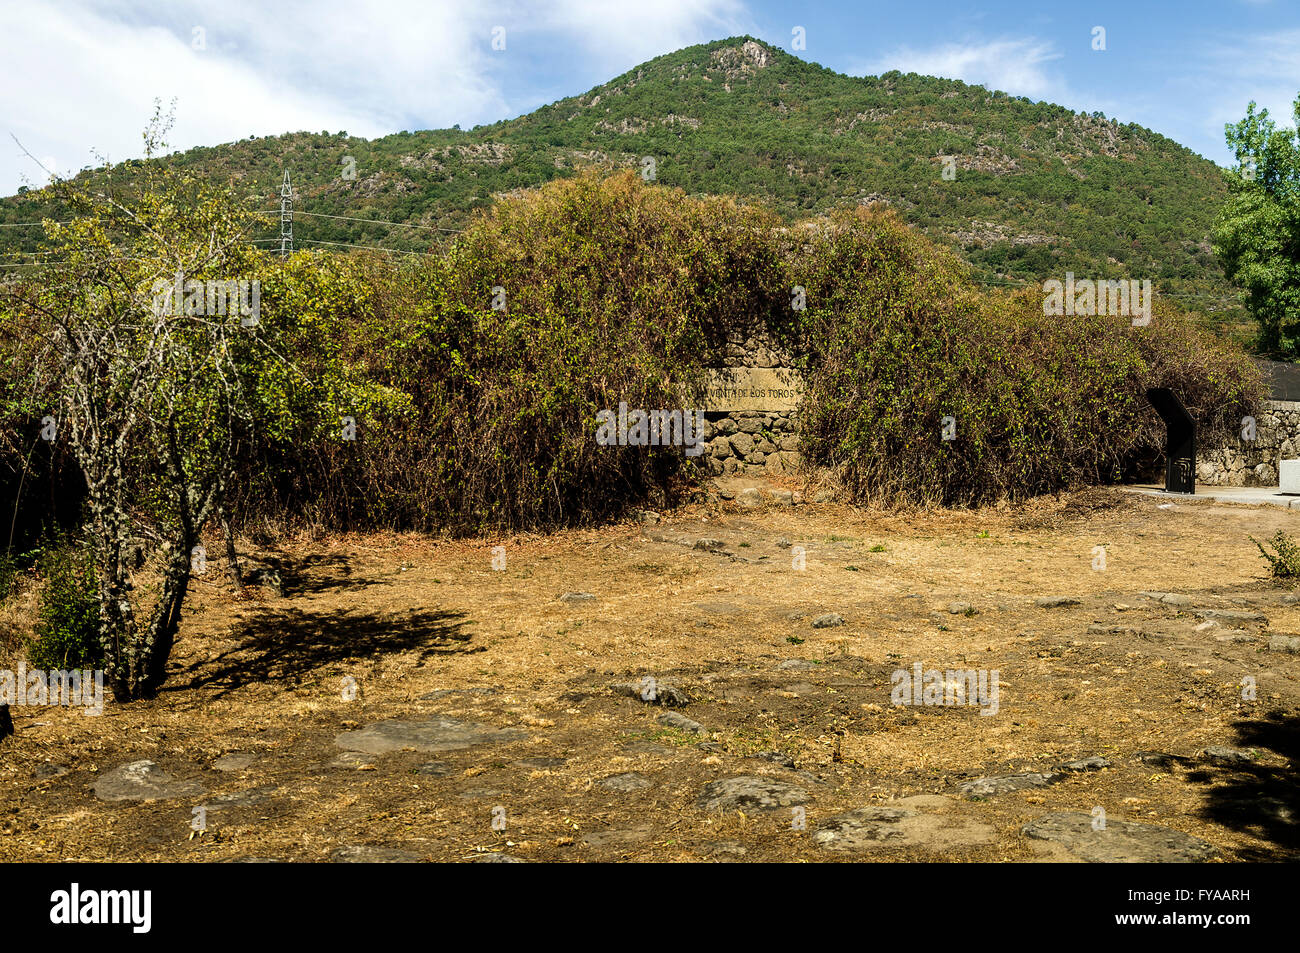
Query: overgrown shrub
[[472, 419], [613, 291], [66, 634], [899, 350]]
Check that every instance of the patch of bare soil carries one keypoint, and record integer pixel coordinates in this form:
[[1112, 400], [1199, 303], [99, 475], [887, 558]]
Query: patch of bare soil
[[714, 686]]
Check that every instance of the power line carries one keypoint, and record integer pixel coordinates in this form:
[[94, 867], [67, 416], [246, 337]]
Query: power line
[[402, 251], [376, 221]]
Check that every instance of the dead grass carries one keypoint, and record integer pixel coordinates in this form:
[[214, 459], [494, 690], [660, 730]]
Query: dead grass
[[405, 616]]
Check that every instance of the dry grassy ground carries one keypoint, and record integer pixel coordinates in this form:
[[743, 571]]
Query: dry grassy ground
[[429, 628]]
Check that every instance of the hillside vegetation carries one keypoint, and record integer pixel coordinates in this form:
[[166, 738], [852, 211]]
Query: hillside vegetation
[[473, 417], [1038, 190]]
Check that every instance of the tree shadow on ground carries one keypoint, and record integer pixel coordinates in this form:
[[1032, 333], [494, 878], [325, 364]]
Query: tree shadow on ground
[[315, 573], [289, 645], [1260, 800]]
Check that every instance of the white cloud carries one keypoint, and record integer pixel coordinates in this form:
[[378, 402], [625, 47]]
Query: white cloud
[[81, 75], [1015, 65]]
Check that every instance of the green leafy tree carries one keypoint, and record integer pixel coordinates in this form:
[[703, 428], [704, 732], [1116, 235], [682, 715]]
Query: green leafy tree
[[1258, 234], [147, 388]]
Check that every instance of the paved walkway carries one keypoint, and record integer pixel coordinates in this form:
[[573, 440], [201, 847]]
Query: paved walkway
[[1255, 495]]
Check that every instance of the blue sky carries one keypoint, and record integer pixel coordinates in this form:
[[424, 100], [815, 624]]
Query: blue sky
[[79, 76]]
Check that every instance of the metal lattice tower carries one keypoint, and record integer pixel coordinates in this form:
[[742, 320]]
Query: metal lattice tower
[[286, 217]]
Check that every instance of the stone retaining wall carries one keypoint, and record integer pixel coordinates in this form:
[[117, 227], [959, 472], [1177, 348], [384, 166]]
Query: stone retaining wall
[[768, 442], [1255, 463], [747, 441]]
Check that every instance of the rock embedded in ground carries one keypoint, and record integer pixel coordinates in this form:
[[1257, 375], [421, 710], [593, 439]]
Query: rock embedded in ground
[[1230, 615], [577, 597], [269, 578], [960, 608], [434, 769], [435, 734], [1055, 602], [656, 693], [709, 544], [1169, 598], [749, 497], [630, 781], [1095, 763], [726, 850], [235, 761], [879, 826], [142, 781], [670, 719], [496, 858], [986, 787], [1283, 643], [43, 772], [352, 759], [750, 793], [1222, 754], [828, 621], [363, 854], [776, 757], [867, 826], [1124, 842], [783, 497]]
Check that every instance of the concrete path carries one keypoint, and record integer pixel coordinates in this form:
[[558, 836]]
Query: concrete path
[[1254, 495]]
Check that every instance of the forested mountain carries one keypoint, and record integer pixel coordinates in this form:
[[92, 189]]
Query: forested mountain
[[1036, 189]]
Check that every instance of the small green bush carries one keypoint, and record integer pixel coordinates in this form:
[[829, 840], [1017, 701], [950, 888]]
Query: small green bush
[[66, 632], [1284, 563]]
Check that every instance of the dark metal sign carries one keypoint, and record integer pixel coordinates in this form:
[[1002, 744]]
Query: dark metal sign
[[1180, 440]]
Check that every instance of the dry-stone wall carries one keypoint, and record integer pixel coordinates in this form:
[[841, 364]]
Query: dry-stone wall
[[766, 440], [749, 441], [1255, 462]]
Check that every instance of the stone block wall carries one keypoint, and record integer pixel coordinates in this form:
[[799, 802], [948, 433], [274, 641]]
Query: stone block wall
[[1255, 462], [748, 441]]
